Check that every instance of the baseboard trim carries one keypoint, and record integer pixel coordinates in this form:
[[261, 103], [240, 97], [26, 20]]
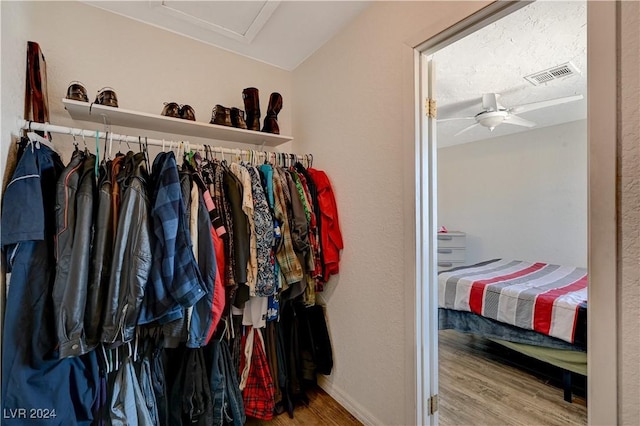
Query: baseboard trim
[[357, 410]]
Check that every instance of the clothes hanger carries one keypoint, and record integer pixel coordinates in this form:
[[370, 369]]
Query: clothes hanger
[[98, 153], [84, 142], [38, 140], [75, 142]]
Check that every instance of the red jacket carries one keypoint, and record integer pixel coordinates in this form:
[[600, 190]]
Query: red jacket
[[330, 235]]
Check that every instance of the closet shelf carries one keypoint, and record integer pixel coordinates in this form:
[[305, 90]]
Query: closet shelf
[[159, 123]]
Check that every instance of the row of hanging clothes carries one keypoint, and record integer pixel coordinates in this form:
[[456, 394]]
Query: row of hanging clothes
[[181, 291]]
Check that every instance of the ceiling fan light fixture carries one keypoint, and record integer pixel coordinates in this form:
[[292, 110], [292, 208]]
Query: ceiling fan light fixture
[[492, 119]]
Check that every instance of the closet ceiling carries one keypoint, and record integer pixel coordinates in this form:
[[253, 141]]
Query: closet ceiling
[[280, 33], [496, 59]]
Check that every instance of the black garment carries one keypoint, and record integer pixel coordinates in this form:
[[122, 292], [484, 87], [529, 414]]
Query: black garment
[[159, 384], [298, 220], [131, 254], [75, 198], [190, 398], [241, 235], [316, 342], [100, 258], [234, 189], [217, 189]]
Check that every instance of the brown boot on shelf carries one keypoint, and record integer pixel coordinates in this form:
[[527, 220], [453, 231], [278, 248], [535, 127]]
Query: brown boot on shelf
[[271, 119], [237, 118], [221, 116], [251, 99]]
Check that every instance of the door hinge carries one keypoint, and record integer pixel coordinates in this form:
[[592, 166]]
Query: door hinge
[[433, 404], [431, 108]]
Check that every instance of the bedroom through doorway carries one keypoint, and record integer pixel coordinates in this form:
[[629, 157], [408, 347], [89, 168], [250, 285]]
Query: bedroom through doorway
[[512, 186]]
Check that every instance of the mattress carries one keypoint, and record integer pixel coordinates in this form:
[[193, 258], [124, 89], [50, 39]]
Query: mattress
[[543, 298]]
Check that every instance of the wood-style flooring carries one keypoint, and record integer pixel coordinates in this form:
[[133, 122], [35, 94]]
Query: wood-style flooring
[[483, 383], [480, 383], [322, 410]]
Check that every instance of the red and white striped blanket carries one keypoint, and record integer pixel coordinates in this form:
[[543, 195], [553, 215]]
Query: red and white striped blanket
[[534, 296]]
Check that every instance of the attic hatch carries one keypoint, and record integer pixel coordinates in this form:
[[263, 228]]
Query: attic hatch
[[558, 72]]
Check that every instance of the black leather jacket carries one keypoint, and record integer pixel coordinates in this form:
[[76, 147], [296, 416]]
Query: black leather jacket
[[74, 222], [131, 254], [100, 257]]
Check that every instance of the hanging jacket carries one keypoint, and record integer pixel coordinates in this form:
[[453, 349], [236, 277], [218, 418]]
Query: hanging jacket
[[175, 281], [202, 314], [330, 235], [131, 254], [298, 220], [32, 374], [314, 224], [116, 193], [241, 246], [100, 257], [217, 231], [241, 172], [75, 198]]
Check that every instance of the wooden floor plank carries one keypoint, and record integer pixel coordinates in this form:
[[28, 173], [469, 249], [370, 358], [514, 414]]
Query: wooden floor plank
[[321, 410], [479, 385]]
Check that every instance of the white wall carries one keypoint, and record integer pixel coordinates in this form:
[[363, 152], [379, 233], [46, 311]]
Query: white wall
[[354, 108], [520, 196]]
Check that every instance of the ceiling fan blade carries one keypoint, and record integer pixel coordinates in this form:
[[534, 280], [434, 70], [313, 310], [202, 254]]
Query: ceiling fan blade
[[490, 101], [519, 121], [544, 104], [456, 107], [466, 129], [455, 118]]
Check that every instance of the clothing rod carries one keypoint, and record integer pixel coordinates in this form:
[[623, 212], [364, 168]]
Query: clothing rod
[[167, 144]]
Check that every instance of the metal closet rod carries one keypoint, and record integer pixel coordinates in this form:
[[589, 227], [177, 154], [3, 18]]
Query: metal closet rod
[[46, 127]]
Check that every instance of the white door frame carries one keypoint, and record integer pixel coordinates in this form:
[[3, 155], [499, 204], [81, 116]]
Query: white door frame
[[426, 221], [602, 345]]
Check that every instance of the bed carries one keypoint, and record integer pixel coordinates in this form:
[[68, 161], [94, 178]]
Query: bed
[[538, 309]]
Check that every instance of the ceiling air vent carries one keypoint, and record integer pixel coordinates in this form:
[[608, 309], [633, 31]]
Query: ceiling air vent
[[555, 73]]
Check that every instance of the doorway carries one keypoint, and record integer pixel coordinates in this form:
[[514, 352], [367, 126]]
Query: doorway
[[602, 16]]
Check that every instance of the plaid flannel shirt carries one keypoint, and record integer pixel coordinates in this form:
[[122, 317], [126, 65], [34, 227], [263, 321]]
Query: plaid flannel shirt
[[287, 259], [175, 279]]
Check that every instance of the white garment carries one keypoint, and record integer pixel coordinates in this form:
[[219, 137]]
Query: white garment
[[255, 312]]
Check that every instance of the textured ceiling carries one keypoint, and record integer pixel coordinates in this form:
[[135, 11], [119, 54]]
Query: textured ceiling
[[280, 33], [496, 58]]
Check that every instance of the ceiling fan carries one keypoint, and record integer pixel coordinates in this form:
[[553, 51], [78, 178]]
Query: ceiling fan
[[494, 114]]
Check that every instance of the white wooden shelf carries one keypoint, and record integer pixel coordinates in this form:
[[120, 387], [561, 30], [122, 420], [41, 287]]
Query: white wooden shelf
[[159, 123]]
